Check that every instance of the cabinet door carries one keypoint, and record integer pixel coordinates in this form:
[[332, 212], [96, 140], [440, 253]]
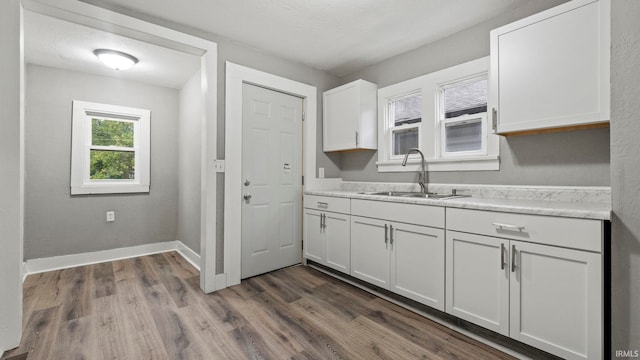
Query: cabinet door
[[338, 235], [341, 117], [478, 280], [314, 236], [417, 263], [552, 69], [556, 300], [370, 251]]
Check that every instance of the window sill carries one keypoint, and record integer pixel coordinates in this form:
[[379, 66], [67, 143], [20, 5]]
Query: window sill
[[486, 163], [109, 189]]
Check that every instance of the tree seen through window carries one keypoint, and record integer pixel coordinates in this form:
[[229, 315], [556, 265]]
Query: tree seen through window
[[112, 155]]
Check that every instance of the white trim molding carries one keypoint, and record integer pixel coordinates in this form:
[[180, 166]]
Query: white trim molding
[[35, 266], [236, 75], [430, 131], [84, 114]]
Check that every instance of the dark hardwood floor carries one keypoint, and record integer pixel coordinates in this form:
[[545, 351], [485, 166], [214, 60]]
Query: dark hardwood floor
[[152, 308]]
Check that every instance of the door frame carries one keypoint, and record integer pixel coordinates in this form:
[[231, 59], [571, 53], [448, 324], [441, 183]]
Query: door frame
[[236, 75]]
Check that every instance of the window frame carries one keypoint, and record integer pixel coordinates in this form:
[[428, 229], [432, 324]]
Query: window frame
[[442, 121], [83, 113], [392, 128], [431, 132]]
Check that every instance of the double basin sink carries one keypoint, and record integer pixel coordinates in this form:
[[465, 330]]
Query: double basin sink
[[411, 194]]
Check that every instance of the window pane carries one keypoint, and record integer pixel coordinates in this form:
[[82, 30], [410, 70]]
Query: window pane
[[114, 165], [403, 140], [111, 133], [468, 97], [463, 136], [407, 110]]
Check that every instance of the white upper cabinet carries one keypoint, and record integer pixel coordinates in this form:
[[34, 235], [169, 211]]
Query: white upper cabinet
[[349, 117], [551, 70]]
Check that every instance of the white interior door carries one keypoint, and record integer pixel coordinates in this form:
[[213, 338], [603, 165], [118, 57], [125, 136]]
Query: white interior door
[[271, 180]]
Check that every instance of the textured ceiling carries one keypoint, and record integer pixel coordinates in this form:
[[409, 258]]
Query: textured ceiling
[[62, 44], [337, 36]]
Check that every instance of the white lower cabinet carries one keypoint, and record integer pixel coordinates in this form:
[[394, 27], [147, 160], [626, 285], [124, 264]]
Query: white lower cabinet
[[326, 236], [403, 258], [537, 279], [478, 280], [370, 251], [549, 297], [556, 300]]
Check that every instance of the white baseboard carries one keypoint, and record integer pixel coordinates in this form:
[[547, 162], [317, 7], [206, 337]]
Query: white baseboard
[[191, 256], [35, 266]]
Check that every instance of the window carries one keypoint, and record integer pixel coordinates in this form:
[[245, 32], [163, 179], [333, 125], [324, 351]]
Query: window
[[405, 116], [462, 117], [444, 114], [110, 149]]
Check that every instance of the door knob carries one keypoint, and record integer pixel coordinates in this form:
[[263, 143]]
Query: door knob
[[247, 182], [246, 196]]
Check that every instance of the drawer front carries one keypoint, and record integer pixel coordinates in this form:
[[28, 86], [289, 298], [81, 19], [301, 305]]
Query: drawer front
[[406, 213], [328, 203], [580, 234]]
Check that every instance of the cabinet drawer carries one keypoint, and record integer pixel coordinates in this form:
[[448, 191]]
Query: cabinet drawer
[[335, 204], [566, 232], [406, 213]]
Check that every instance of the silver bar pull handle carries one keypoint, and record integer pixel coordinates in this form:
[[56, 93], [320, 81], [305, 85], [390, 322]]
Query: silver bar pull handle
[[323, 205], [356, 139], [386, 234], [501, 226], [321, 215], [324, 221], [391, 234], [513, 258], [502, 262]]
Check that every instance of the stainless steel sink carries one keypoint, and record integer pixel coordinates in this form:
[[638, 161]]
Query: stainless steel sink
[[413, 194], [394, 193]]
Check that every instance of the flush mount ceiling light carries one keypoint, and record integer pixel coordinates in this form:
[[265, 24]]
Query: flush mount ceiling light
[[115, 59]]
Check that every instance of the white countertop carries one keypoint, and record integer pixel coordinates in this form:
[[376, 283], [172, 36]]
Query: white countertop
[[583, 210]]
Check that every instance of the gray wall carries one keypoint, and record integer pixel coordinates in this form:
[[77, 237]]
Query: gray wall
[[571, 158], [11, 163], [189, 192], [625, 174], [59, 224]]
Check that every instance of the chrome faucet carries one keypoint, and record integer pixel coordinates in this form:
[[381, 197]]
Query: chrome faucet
[[422, 177]]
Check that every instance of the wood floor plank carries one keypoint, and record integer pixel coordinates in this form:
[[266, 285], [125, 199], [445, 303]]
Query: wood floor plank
[[318, 343], [152, 307], [176, 286], [51, 290], [75, 339], [272, 332], [143, 339], [429, 334], [181, 267], [205, 328], [276, 287], [77, 296], [110, 329], [103, 280], [39, 333]]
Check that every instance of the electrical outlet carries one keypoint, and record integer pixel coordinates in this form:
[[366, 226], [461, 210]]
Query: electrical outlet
[[321, 173], [111, 216]]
